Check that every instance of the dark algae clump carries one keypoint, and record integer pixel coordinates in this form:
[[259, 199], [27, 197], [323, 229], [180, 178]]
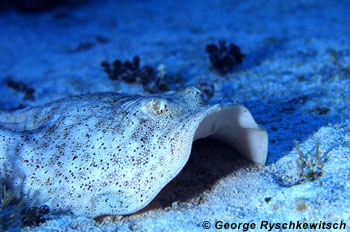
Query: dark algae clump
[[152, 81], [133, 73], [128, 71], [34, 216], [223, 58], [9, 207], [22, 88]]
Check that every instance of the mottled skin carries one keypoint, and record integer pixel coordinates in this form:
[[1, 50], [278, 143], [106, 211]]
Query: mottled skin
[[101, 153]]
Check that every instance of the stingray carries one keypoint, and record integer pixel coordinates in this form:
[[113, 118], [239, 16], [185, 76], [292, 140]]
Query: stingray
[[111, 154]]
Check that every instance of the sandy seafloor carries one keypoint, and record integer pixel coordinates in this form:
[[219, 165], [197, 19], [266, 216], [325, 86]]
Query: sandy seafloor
[[295, 80]]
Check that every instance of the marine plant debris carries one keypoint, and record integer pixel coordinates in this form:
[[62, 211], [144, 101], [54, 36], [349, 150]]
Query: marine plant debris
[[34, 216], [223, 58], [21, 87], [310, 167], [9, 207], [152, 81]]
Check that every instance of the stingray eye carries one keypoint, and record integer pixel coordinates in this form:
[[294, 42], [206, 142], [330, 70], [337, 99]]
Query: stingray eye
[[156, 106], [192, 96], [191, 90], [193, 93]]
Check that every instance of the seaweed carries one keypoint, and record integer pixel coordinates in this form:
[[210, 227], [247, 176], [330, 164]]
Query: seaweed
[[163, 81], [9, 210], [87, 45], [223, 58], [310, 167], [83, 46], [128, 71], [12, 210], [6, 197], [101, 39], [133, 73], [152, 81], [22, 88], [34, 216]]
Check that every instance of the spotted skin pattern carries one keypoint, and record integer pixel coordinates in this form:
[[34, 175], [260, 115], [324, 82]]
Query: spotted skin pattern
[[101, 153]]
